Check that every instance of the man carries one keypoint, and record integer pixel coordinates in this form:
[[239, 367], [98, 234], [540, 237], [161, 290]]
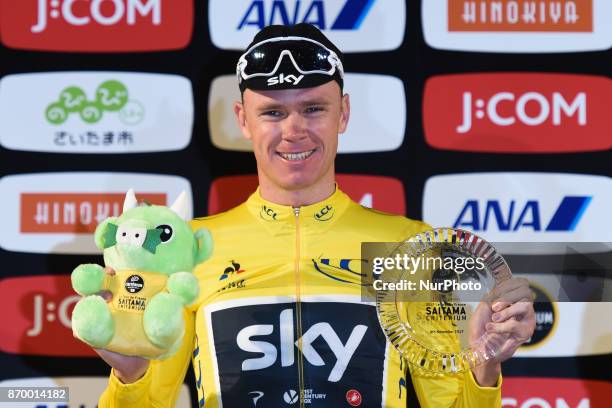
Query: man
[[279, 320]]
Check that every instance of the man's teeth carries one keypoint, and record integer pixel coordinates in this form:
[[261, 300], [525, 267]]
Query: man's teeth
[[297, 156]]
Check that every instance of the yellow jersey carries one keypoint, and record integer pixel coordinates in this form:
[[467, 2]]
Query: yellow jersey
[[280, 320]]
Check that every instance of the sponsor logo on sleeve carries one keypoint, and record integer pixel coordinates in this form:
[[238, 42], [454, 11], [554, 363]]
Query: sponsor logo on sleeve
[[381, 193], [518, 113], [97, 25], [95, 112], [522, 207], [58, 212], [517, 25], [374, 127], [532, 392], [353, 25], [84, 391]]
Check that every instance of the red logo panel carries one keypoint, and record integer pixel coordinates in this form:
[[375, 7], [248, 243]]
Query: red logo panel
[[37, 312], [382, 193], [518, 113], [97, 25], [531, 392]]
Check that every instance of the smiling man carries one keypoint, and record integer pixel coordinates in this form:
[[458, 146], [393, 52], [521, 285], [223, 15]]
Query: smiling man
[[280, 320]]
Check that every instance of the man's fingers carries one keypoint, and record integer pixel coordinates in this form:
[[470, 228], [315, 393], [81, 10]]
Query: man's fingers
[[107, 295], [516, 310], [109, 271], [517, 329], [509, 292]]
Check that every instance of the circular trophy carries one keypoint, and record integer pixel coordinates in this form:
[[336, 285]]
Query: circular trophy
[[429, 289]]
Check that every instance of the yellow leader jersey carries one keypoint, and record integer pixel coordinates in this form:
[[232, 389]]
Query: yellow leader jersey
[[280, 315]]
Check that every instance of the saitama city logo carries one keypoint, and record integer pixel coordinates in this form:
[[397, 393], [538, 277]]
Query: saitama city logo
[[97, 25], [378, 192], [96, 112], [517, 25], [368, 116], [543, 207], [58, 212], [518, 112], [353, 25]]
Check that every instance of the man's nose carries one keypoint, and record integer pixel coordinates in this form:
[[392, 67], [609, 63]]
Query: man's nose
[[294, 127]]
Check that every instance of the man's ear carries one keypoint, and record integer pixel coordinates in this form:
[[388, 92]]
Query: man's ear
[[204, 245], [345, 113], [105, 233], [241, 119]]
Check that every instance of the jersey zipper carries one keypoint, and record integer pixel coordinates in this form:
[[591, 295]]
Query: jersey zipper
[[298, 306]]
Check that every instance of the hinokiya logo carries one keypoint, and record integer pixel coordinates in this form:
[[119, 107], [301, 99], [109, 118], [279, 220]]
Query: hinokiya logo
[[543, 207], [96, 112], [378, 192], [353, 25], [366, 112], [97, 25], [518, 25], [518, 113], [540, 392], [84, 391], [58, 212]]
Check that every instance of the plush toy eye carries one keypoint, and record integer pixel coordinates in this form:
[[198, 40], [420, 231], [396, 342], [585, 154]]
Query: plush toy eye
[[166, 232]]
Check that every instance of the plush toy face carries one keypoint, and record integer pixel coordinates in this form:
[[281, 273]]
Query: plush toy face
[[151, 238]]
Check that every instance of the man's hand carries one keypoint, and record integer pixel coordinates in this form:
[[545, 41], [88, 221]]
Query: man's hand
[[128, 369], [507, 316]]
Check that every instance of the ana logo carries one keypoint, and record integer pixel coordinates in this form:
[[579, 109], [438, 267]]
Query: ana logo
[[256, 395], [534, 392], [291, 397], [522, 207], [134, 284], [96, 112], [98, 25], [525, 214], [111, 96], [38, 311], [58, 212], [518, 25], [351, 24], [546, 316], [365, 90], [267, 213], [230, 270], [521, 113], [353, 397], [282, 78], [326, 213]]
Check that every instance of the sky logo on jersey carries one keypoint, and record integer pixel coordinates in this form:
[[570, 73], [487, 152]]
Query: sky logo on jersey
[[368, 116], [97, 25], [518, 113], [255, 348], [58, 212], [517, 25], [533, 392], [84, 391], [527, 207], [381, 193], [39, 309], [95, 112], [353, 25]]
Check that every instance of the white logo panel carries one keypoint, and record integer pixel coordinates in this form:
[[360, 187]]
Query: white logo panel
[[373, 126], [58, 212], [353, 26], [95, 112]]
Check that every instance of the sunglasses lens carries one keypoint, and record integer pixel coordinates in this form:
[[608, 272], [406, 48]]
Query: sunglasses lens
[[307, 55]]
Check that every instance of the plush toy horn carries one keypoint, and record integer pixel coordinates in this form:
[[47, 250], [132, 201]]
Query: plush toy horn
[[130, 200], [180, 206]]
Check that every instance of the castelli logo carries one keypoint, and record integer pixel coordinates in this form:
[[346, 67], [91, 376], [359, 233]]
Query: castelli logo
[[519, 113], [97, 25]]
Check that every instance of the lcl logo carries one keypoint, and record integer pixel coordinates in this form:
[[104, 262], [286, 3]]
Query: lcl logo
[[326, 213]]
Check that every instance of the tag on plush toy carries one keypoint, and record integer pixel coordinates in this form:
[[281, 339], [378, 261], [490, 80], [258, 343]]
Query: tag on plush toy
[[154, 252]]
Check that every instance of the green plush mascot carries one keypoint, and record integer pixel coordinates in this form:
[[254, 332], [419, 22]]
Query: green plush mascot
[[153, 251]]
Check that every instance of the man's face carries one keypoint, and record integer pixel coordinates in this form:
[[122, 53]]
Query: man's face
[[294, 133]]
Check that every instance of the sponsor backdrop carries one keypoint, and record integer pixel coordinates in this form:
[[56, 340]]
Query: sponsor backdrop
[[489, 115]]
